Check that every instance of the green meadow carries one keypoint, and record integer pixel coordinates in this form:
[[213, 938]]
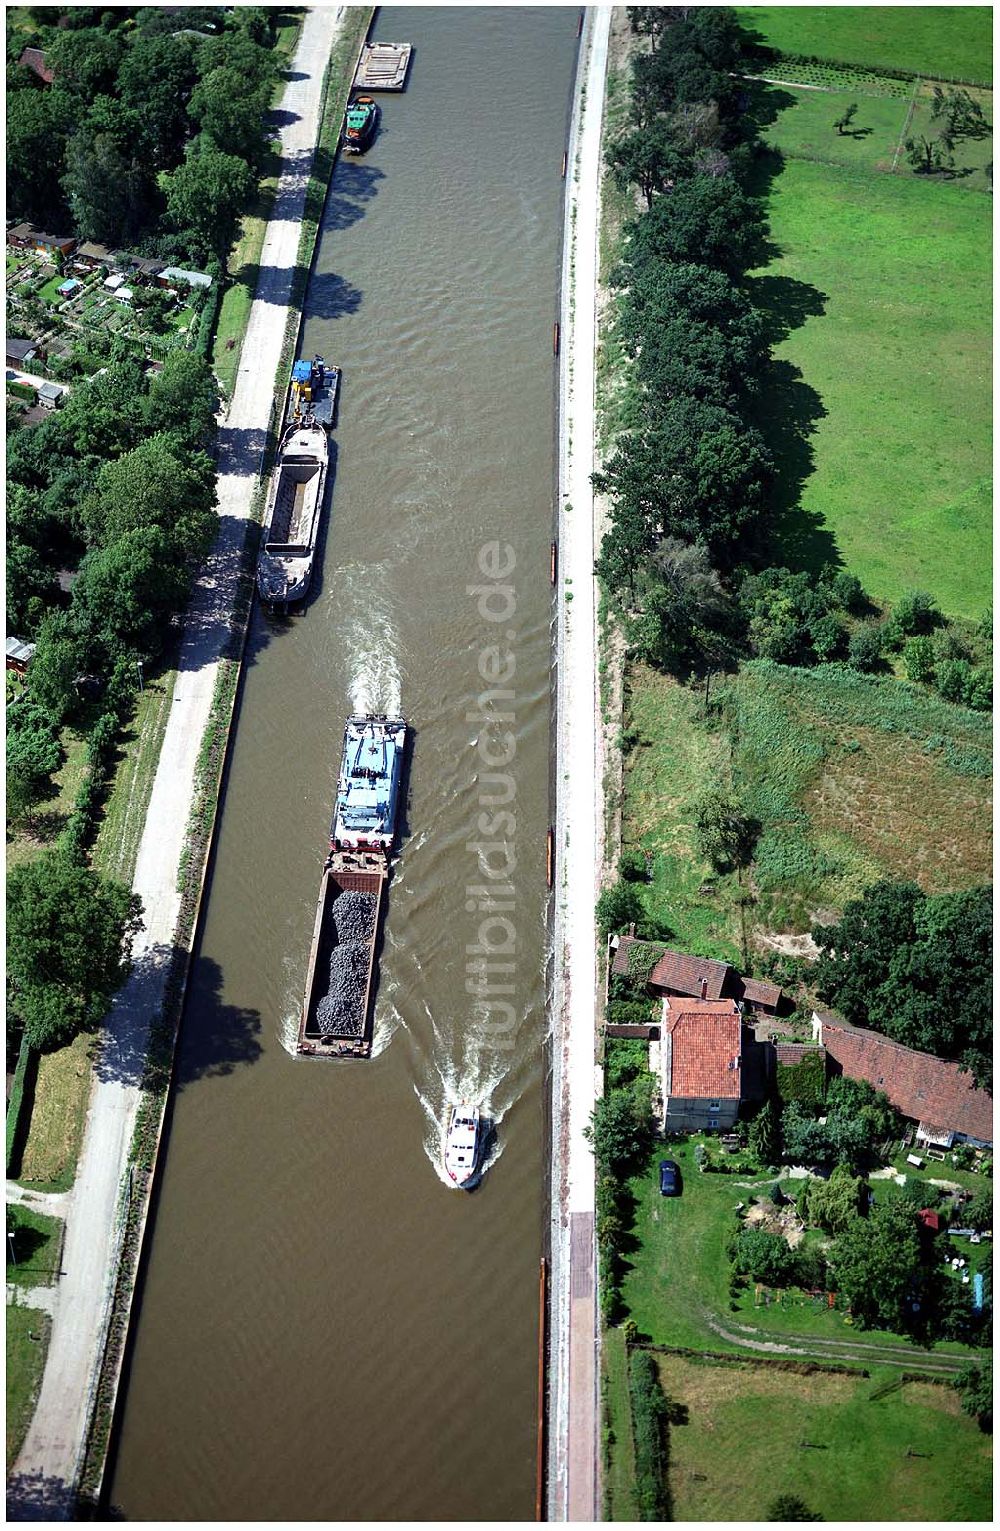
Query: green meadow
[[879, 292], [882, 284], [853, 1448], [954, 41]]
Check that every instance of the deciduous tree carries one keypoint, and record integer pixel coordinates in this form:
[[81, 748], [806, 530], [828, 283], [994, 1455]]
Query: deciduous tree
[[206, 195], [69, 936]]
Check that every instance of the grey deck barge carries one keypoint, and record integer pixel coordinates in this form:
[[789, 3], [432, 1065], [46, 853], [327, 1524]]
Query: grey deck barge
[[383, 66]]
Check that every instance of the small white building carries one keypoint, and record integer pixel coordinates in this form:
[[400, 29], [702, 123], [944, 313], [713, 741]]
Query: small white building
[[50, 395], [112, 283], [124, 295]]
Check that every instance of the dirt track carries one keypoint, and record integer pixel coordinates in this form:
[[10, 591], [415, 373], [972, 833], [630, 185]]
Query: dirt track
[[855, 1349]]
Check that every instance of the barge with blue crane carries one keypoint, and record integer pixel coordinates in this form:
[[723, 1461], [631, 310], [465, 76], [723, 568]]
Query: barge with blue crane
[[337, 1019]]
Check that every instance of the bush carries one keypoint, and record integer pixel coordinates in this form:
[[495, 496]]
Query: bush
[[916, 612], [918, 659], [632, 866], [618, 907], [621, 1131], [810, 1268], [724, 833], [978, 1213], [804, 1081], [625, 1058], [630, 1012], [975, 1384], [864, 651], [762, 1256]]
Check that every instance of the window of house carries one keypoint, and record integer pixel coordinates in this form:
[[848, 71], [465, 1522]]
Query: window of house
[[713, 1121], [713, 1105]]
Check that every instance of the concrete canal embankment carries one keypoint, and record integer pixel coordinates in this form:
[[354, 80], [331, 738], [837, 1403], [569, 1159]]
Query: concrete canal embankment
[[573, 1459], [65, 1448]]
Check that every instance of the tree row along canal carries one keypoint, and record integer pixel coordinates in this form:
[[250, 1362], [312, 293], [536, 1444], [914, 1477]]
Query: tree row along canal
[[325, 1331]]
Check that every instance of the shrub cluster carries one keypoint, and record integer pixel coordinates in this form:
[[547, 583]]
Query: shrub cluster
[[621, 1132]]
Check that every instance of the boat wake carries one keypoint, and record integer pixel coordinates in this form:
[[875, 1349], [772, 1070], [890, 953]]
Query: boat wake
[[375, 682], [388, 1017], [444, 1086]]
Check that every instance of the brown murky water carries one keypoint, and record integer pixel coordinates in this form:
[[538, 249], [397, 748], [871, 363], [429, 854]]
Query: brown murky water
[[326, 1331]]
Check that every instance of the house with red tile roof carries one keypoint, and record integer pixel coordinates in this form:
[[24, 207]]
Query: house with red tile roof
[[701, 1045], [939, 1096], [700, 978]]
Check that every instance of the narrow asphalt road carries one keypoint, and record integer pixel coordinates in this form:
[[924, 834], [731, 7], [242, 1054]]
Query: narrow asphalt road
[[53, 1448]]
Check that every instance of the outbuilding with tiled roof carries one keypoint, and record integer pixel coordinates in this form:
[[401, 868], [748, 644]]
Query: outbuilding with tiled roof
[[931, 1091], [699, 977]]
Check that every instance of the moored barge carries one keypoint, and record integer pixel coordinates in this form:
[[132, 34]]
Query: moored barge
[[291, 521], [337, 1020]]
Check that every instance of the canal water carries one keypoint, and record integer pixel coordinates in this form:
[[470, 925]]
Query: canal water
[[326, 1331]]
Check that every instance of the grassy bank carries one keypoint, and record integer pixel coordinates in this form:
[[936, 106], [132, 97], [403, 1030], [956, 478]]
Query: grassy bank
[[754, 1432], [952, 41], [36, 1245], [619, 1453], [671, 753], [27, 1344], [62, 1092], [139, 747]]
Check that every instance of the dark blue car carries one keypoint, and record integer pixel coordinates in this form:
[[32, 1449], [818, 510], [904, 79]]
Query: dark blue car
[[670, 1178]]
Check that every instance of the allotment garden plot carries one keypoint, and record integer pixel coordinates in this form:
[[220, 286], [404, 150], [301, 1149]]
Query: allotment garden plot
[[76, 312]]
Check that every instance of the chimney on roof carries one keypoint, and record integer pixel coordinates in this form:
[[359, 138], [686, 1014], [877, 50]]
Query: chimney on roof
[[704, 988]]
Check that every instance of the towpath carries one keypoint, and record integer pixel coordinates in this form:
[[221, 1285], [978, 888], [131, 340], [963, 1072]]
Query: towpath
[[49, 1464], [574, 1338]]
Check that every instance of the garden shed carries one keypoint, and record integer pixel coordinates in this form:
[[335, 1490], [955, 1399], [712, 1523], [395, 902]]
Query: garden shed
[[172, 276], [50, 395], [19, 654]]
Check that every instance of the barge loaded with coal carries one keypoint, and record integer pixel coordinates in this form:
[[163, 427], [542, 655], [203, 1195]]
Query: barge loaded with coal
[[337, 1017]]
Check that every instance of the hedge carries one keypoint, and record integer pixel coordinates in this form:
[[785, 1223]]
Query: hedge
[[19, 1106], [81, 822], [649, 1408]]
